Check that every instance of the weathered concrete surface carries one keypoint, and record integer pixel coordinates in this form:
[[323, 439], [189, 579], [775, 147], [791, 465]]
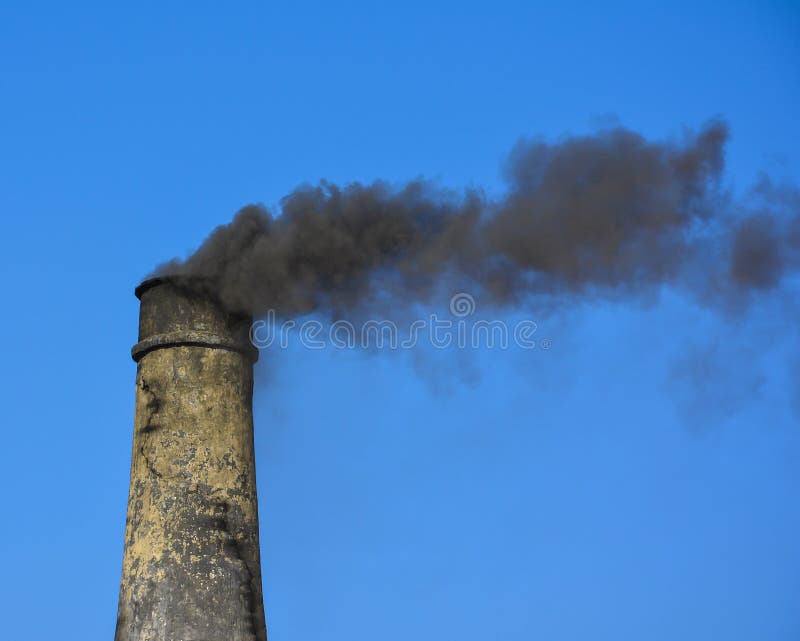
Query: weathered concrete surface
[[191, 568]]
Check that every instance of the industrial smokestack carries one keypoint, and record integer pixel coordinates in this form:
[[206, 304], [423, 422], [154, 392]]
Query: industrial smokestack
[[611, 215], [191, 567]]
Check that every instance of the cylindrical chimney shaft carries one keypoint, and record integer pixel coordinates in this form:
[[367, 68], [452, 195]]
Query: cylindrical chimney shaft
[[191, 568]]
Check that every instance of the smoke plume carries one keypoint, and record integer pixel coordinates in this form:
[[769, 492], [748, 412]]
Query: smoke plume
[[606, 215]]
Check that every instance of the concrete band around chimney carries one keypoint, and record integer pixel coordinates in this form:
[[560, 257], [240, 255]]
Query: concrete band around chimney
[[191, 339]]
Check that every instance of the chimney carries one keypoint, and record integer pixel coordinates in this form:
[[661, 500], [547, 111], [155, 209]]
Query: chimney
[[191, 569]]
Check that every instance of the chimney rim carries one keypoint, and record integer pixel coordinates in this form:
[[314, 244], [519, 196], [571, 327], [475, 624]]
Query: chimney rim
[[176, 279]]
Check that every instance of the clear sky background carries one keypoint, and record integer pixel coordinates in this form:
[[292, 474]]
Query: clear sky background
[[583, 493]]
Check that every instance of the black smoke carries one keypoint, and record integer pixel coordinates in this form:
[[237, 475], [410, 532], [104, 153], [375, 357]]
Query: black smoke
[[607, 215]]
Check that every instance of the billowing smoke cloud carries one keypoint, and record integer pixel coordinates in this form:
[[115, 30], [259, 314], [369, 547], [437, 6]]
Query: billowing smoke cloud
[[611, 214]]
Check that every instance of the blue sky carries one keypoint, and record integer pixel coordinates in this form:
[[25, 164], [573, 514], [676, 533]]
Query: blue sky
[[580, 493]]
